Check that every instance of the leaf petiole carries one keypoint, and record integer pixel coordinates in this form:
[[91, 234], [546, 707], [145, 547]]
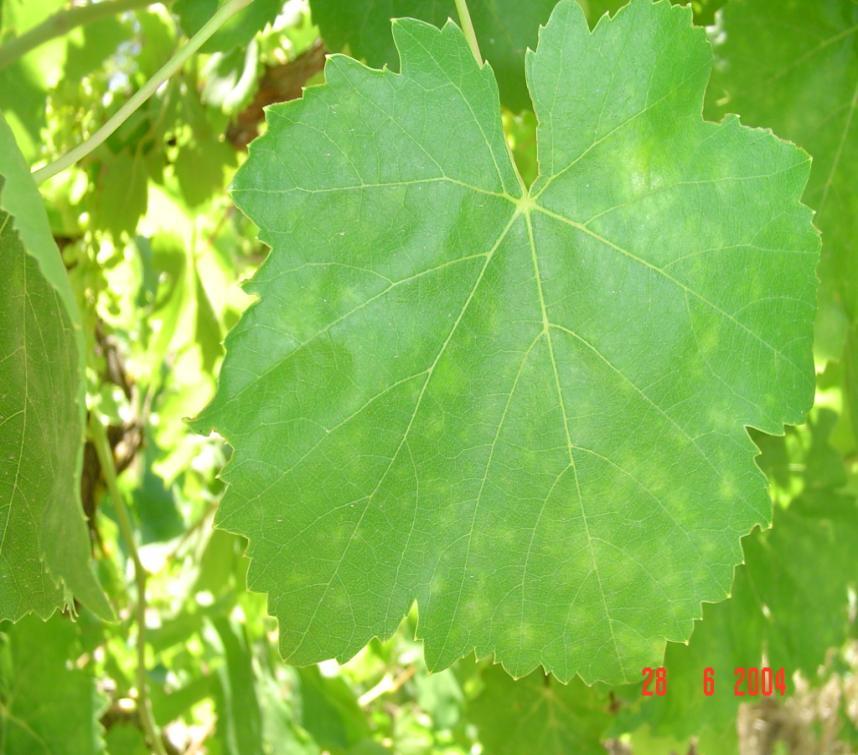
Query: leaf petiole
[[468, 28]]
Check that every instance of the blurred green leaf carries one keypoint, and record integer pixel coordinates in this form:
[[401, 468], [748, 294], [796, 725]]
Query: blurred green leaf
[[239, 717], [169, 706], [238, 31], [126, 739], [98, 41], [120, 195], [330, 712], [155, 504], [230, 78], [537, 714]]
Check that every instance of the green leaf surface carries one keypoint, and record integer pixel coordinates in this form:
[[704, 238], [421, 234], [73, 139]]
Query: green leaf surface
[[536, 714], [504, 28], [47, 704], [154, 503], [524, 408], [44, 543], [24, 84]]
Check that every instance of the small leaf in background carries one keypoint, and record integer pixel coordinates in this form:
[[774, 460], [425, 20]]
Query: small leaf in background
[[157, 41], [155, 504], [125, 739], [536, 714], [239, 718], [200, 169], [238, 31], [793, 66], [504, 28], [98, 41], [120, 200], [330, 712], [231, 78], [24, 84]]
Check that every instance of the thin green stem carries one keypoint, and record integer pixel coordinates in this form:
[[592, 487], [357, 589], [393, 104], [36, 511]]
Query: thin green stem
[[468, 28], [108, 468], [62, 23], [223, 13]]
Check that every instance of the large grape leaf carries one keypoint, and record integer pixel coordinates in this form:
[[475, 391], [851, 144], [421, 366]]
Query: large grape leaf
[[793, 66], [524, 408], [504, 28], [44, 542], [48, 704]]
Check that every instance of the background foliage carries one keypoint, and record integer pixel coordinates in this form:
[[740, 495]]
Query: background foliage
[[154, 253]]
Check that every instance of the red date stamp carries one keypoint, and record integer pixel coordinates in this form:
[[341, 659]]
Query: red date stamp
[[750, 681]]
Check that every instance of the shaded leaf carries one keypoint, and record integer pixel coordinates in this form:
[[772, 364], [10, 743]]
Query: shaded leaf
[[330, 712], [44, 542], [239, 717], [793, 66], [535, 714]]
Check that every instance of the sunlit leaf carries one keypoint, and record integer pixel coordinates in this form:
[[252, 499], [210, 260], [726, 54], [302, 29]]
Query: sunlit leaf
[[524, 408], [120, 196]]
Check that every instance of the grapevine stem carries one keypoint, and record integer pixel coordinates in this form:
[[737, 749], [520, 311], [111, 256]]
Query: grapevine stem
[[468, 28], [105, 458], [223, 13], [62, 23]]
